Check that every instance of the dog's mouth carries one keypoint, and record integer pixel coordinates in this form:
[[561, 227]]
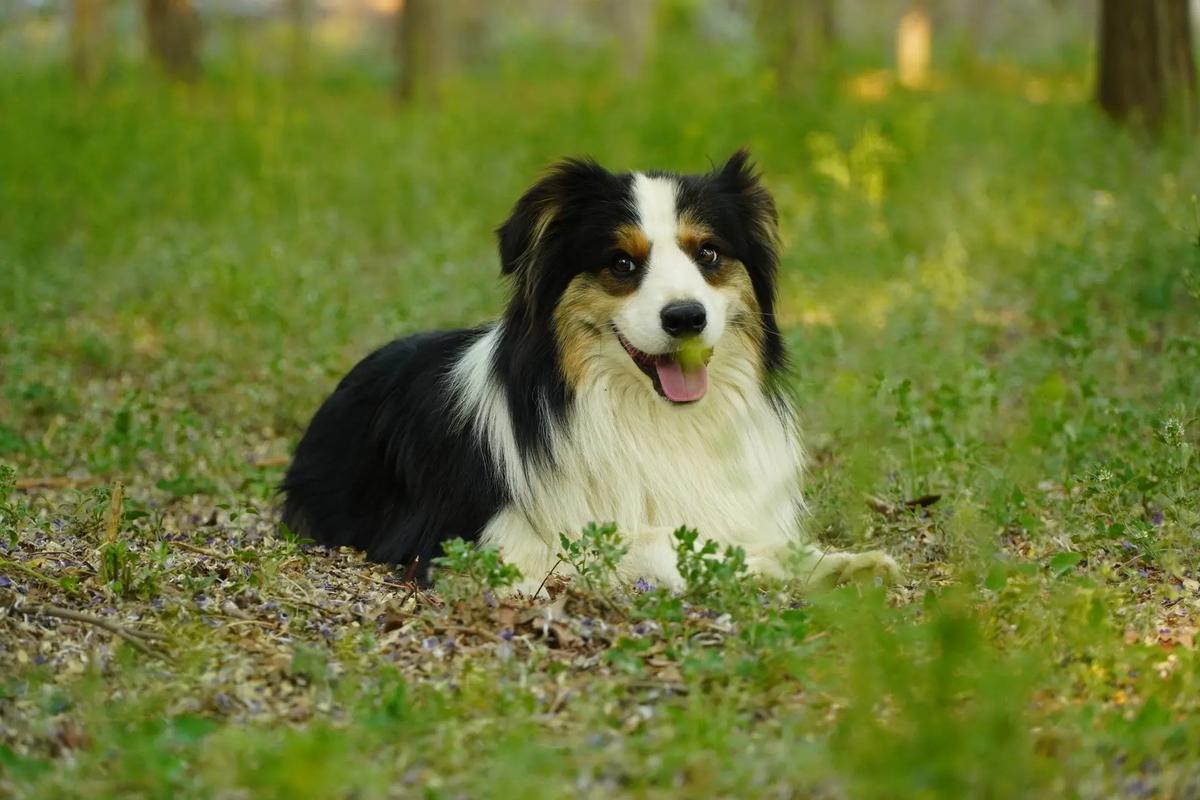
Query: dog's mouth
[[679, 377]]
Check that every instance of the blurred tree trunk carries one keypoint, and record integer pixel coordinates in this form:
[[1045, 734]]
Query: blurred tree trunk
[[423, 47], [173, 36], [297, 14], [795, 36], [1147, 71], [914, 39], [632, 25], [976, 26], [87, 39]]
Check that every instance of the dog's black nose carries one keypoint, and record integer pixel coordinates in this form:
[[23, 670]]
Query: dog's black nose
[[683, 317]]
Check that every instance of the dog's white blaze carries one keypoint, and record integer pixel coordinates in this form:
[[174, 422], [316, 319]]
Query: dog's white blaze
[[729, 467], [670, 275]]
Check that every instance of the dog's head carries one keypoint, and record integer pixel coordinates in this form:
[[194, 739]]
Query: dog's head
[[646, 273]]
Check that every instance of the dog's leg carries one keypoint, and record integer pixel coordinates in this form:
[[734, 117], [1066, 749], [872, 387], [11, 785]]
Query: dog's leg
[[520, 545], [652, 557], [651, 554], [817, 568]]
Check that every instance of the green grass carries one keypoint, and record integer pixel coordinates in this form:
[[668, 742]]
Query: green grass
[[987, 298]]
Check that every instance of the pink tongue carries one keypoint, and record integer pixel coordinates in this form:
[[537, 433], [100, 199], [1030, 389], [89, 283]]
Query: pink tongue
[[680, 386]]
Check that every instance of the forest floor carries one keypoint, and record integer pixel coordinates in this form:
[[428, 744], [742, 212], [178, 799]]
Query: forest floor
[[990, 295]]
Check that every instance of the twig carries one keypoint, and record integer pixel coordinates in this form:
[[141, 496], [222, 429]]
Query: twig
[[881, 506], [204, 551], [410, 595], [33, 573], [268, 462], [542, 585], [660, 685], [239, 621], [52, 482], [410, 574], [58, 555], [140, 640], [466, 629], [560, 698], [296, 602], [373, 579]]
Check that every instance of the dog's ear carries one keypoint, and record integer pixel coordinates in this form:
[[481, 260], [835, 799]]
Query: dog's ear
[[739, 177], [532, 222]]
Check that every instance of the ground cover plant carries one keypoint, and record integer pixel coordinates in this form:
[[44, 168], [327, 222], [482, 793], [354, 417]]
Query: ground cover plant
[[992, 300]]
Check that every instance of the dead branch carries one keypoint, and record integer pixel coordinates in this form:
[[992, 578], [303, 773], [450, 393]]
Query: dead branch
[[143, 641]]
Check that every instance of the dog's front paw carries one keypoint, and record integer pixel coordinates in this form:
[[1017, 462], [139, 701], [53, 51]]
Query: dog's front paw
[[833, 569]]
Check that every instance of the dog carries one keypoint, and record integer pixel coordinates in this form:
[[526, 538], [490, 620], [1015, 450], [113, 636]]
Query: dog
[[634, 377]]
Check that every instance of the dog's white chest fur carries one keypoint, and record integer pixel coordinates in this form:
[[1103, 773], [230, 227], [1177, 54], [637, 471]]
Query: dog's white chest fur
[[729, 466]]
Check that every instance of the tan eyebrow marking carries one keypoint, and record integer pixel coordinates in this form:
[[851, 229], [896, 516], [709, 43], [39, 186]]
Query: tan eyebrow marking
[[633, 240], [691, 235]]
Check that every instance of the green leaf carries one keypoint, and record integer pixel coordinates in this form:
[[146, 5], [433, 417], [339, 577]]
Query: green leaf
[[23, 767], [1062, 563], [997, 577], [189, 729]]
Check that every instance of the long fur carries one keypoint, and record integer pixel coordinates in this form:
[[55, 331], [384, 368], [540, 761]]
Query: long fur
[[534, 425]]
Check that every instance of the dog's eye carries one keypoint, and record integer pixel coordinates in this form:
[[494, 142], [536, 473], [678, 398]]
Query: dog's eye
[[623, 266], [708, 256]]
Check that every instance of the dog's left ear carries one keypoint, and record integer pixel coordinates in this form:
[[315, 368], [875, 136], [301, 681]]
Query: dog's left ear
[[737, 180], [739, 177]]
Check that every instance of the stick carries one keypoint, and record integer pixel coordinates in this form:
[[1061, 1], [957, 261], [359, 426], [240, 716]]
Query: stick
[[466, 629], [410, 574], [204, 551], [879, 505], [51, 482], [33, 573], [410, 595], [372, 579], [542, 585], [267, 462], [138, 639]]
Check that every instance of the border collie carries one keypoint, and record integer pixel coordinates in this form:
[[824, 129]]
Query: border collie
[[633, 377]]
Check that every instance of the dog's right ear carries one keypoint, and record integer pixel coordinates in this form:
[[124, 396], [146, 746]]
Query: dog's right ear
[[524, 234]]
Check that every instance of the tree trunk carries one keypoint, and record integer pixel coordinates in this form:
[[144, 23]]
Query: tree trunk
[[87, 39], [422, 47], [914, 41], [1147, 71], [631, 23], [795, 36], [298, 44], [173, 36]]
